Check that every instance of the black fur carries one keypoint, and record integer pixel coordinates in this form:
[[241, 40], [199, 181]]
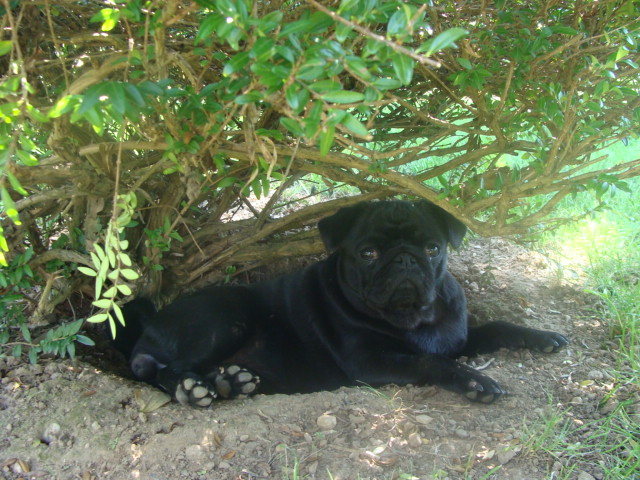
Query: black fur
[[382, 308]]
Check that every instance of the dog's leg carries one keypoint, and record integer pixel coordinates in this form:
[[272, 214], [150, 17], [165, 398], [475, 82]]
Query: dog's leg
[[428, 369], [186, 387], [495, 335]]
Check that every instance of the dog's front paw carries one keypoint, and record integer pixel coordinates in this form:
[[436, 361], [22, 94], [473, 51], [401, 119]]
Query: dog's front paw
[[195, 391], [544, 341], [235, 382], [476, 386]]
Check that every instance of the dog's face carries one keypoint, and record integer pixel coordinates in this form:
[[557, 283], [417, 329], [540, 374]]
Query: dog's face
[[392, 257]]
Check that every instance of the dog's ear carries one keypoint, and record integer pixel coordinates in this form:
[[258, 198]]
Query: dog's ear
[[334, 229], [455, 228]]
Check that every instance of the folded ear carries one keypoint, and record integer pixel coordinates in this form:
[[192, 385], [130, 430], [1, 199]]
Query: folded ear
[[455, 228], [334, 229]]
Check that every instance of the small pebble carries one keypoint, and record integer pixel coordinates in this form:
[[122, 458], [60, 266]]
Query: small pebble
[[585, 476], [595, 375], [414, 440], [424, 419], [193, 452], [51, 433], [326, 422], [506, 456]]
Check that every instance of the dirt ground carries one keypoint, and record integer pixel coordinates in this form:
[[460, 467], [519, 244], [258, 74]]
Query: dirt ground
[[81, 420]]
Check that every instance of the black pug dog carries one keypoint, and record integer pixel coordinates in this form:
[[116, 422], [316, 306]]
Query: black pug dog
[[382, 308]]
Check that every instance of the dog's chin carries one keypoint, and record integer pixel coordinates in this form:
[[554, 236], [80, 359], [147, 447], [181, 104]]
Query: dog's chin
[[409, 317]]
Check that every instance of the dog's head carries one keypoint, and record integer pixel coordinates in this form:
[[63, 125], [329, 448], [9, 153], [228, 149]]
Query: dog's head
[[392, 257]]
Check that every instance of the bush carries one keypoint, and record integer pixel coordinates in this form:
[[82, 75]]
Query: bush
[[131, 135]]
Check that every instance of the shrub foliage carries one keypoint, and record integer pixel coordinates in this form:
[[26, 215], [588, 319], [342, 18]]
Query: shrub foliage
[[132, 131]]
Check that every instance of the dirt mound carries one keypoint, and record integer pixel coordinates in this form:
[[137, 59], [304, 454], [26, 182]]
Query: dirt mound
[[74, 420]]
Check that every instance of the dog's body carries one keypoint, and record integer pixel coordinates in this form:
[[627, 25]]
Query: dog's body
[[382, 308]]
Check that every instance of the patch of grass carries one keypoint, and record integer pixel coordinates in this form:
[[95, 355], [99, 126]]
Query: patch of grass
[[606, 247], [610, 442]]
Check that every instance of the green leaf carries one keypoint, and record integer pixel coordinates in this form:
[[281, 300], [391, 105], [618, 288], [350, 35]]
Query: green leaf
[[355, 125], [403, 66], [465, 63], [9, 206], [397, 23], [103, 303], [117, 96], [134, 93], [301, 26], [297, 98], [269, 22], [237, 63], [208, 25], [15, 183], [36, 114], [129, 274], [26, 334], [359, 67], [251, 97], [5, 47], [63, 105], [565, 30], [85, 340], [387, 83], [124, 289], [90, 99], [326, 139], [27, 158], [444, 40], [292, 125], [110, 292], [125, 259], [87, 271], [112, 326], [118, 312], [343, 96], [346, 5], [109, 18], [263, 49], [343, 31]]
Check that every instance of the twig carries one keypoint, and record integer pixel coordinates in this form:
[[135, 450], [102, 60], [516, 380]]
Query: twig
[[485, 365]]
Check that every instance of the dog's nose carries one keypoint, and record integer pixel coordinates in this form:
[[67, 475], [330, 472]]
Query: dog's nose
[[405, 260]]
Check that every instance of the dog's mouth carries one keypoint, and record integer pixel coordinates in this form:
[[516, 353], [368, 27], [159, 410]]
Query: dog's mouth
[[408, 306], [406, 295]]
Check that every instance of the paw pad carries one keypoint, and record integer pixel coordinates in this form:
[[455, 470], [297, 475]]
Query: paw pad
[[235, 382], [195, 392]]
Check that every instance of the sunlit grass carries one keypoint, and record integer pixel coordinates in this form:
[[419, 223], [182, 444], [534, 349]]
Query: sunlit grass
[[606, 248]]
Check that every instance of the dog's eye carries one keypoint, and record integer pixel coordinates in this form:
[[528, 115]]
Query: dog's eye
[[369, 254], [432, 250]]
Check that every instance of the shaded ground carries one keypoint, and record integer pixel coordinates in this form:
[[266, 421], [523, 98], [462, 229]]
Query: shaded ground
[[73, 420]]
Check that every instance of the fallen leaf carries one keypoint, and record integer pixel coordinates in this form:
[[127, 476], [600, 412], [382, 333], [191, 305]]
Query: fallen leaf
[[150, 400], [229, 455]]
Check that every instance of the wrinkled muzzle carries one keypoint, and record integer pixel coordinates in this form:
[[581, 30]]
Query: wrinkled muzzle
[[403, 292]]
